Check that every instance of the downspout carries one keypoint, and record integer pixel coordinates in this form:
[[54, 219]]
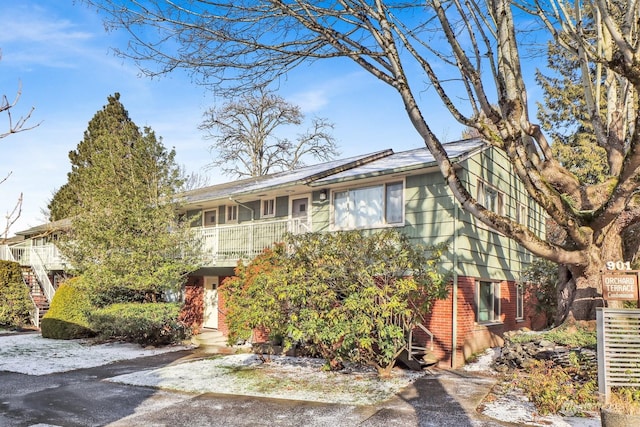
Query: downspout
[[454, 297], [253, 213]]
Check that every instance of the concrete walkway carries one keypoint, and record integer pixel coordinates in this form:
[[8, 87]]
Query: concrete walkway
[[81, 398]]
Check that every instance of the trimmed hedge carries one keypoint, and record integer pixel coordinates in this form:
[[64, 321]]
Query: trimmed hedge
[[14, 296], [144, 324], [67, 316]]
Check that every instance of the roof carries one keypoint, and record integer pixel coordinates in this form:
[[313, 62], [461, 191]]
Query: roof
[[62, 224], [304, 175], [404, 161]]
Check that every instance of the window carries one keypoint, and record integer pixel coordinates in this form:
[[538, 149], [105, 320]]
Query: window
[[368, 207], [491, 198], [268, 208], [487, 302], [210, 218], [521, 214], [232, 213], [519, 302]]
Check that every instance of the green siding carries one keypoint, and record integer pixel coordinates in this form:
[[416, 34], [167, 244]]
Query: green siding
[[320, 212], [482, 252], [432, 216], [282, 206]]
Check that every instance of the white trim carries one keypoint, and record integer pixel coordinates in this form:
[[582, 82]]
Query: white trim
[[496, 311], [233, 207], [384, 184], [519, 302], [271, 203], [481, 185], [522, 214]]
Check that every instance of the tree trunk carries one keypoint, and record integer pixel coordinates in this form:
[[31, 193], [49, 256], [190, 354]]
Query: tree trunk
[[579, 289]]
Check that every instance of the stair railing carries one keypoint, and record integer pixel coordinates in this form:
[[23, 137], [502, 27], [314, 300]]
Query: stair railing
[[7, 255], [35, 312], [42, 276], [428, 332]]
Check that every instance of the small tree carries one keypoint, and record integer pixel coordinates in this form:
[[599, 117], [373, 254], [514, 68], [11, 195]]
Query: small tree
[[349, 296], [244, 136], [126, 239]]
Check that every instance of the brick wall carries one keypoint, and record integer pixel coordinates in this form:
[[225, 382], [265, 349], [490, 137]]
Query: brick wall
[[471, 338], [193, 309]]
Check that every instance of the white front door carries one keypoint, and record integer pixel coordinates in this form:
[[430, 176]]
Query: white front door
[[300, 211], [210, 302]]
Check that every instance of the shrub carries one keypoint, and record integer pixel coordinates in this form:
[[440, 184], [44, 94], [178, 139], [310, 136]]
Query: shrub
[[14, 296], [576, 334], [344, 295], [144, 324], [554, 389], [67, 316], [192, 311], [625, 400], [115, 294], [573, 335]]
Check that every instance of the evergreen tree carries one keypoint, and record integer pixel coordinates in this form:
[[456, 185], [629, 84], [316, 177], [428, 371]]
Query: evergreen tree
[[564, 116], [126, 239]]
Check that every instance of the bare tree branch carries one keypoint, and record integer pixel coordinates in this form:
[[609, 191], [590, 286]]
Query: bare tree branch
[[245, 136], [469, 56], [11, 217]]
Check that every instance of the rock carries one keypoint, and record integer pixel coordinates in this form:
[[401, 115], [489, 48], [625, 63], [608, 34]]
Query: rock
[[547, 344]]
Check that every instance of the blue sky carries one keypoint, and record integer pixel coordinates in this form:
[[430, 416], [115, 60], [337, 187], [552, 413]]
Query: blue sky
[[59, 54]]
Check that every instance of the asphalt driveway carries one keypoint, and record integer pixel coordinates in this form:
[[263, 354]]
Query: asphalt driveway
[[81, 398]]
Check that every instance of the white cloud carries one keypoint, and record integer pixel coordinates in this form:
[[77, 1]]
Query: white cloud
[[320, 93], [33, 36], [312, 100]]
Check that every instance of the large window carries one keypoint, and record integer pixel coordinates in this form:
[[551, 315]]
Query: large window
[[368, 207], [487, 302]]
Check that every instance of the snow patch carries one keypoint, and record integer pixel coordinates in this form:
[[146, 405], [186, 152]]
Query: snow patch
[[33, 355], [284, 377]]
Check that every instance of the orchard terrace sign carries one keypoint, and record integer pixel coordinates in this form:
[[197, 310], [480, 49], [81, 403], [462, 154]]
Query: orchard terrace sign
[[620, 287]]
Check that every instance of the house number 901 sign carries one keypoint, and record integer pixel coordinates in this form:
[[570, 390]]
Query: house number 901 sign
[[618, 265]]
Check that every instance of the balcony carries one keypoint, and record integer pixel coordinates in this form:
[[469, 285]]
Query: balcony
[[46, 255], [42, 259], [224, 245]]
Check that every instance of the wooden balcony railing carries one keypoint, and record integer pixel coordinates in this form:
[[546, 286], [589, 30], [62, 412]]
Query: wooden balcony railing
[[244, 241]]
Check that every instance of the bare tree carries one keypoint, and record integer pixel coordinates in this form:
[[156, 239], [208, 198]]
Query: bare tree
[[470, 54], [14, 126], [245, 140]]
